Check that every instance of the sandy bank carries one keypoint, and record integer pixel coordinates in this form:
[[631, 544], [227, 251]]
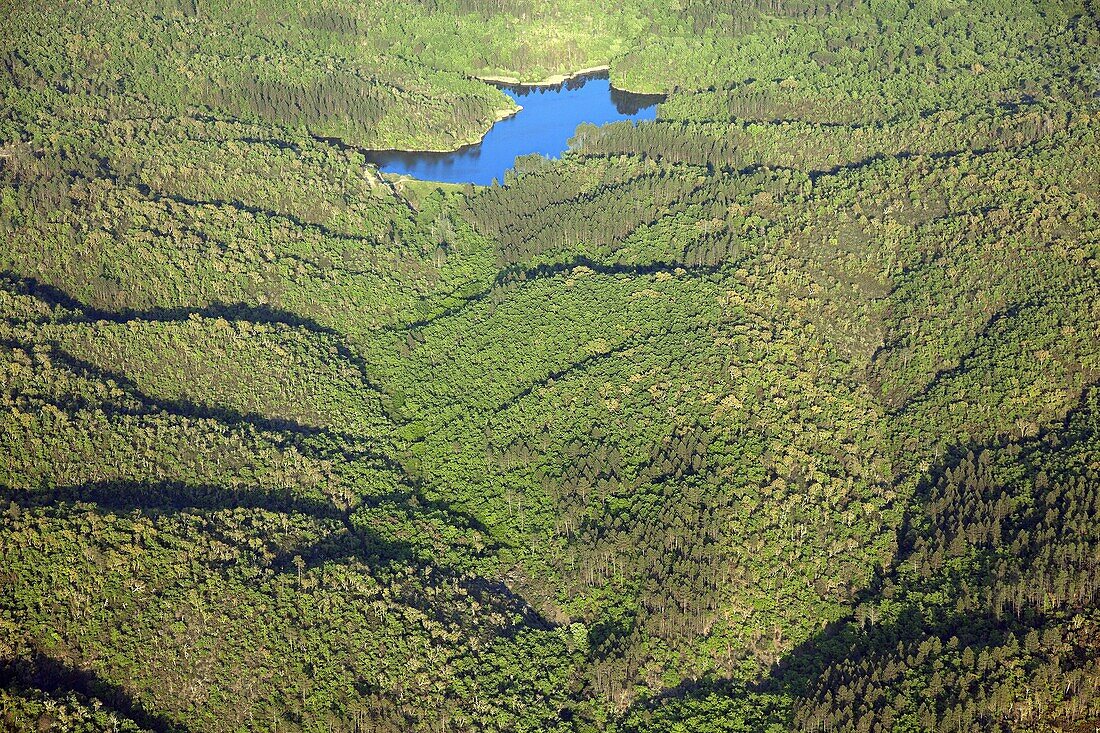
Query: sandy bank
[[550, 81]]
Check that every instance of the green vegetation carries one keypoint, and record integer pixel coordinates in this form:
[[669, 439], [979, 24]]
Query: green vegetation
[[777, 413]]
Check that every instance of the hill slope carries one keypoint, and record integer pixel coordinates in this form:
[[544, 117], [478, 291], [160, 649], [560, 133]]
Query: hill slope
[[778, 412]]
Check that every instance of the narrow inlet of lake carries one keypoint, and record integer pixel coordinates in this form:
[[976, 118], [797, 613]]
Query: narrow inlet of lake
[[549, 117]]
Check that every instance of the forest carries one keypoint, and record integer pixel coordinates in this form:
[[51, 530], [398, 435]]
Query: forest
[[780, 412]]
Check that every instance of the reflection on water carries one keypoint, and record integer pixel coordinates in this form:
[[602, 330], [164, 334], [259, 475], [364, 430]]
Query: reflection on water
[[630, 104], [549, 117]]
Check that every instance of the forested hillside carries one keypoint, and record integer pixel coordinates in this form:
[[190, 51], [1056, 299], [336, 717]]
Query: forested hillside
[[777, 413]]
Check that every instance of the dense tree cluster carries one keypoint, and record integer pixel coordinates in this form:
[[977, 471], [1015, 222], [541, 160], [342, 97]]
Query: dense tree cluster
[[776, 413], [989, 622]]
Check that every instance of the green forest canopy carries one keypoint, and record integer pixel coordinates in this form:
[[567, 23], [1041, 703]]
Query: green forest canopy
[[777, 413]]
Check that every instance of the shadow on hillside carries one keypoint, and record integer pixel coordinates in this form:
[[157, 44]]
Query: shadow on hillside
[[256, 211], [851, 640], [170, 497], [348, 541], [33, 288], [251, 313], [313, 440], [354, 542], [583, 363], [41, 672], [518, 273]]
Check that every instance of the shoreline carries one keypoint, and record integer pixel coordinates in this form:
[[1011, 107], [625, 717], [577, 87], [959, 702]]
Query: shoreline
[[504, 114], [560, 79], [501, 115], [550, 81]]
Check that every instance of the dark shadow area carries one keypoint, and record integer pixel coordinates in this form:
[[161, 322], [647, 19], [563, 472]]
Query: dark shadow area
[[517, 605], [48, 294], [352, 541], [977, 342], [625, 346], [813, 173], [157, 498], [313, 441], [419, 502], [260, 314], [273, 142], [243, 208], [169, 497], [631, 103], [848, 642], [317, 443], [519, 274], [53, 676]]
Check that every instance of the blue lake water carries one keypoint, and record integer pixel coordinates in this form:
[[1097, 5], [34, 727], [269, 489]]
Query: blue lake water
[[549, 117]]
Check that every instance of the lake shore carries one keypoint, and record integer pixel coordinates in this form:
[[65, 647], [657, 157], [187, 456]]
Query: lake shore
[[550, 81], [500, 115], [557, 80], [503, 114]]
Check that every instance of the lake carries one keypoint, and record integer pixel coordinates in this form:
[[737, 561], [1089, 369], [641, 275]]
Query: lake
[[549, 117]]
